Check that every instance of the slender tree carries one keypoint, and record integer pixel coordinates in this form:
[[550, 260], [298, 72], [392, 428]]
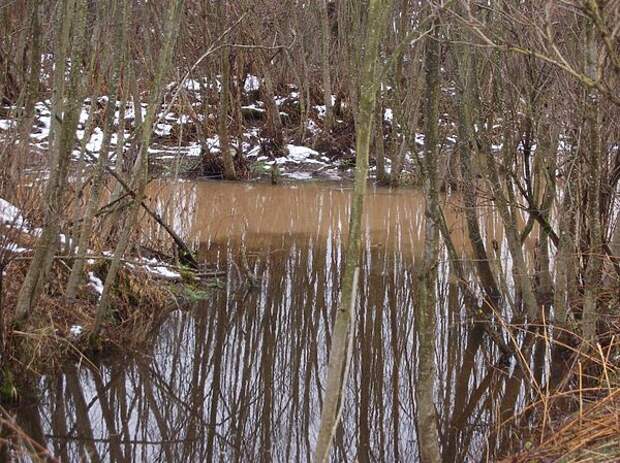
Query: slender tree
[[339, 356]]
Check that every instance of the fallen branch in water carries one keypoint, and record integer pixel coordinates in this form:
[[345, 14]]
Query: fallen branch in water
[[178, 268], [186, 255]]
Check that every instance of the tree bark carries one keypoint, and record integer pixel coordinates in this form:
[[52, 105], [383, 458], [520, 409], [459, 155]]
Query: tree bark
[[98, 180], [44, 249], [426, 415], [325, 66], [342, 336], [592, 160], [140, 171]]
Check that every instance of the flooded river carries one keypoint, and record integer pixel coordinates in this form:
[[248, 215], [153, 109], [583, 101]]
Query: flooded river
[[240, 376]]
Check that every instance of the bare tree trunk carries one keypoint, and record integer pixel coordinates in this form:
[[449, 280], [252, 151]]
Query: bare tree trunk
[[503, 202], [225, 147], [382, 177], [592, 158], [466, 150], [98, 180], [565, 269], [325, 66], [46, 245], [31, 89], [426, 415], [342, 337], [140, 171], [65, 8]]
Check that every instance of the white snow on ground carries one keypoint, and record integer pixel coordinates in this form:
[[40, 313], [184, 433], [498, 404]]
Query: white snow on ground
[[6, 124], [130, 113], [163, 130], [95, 282], [84, 115], [312, 127], [298, 175], [251, 84], [280, 100], [254, 152], [321, 109], [14, 248], [254, 107], [332, 174], [300, 153], [192, 85], [64, 239], [158, 268], [76, 330], [195, 149], [96, 140], [11, 215], [213, 143], [388, 115]]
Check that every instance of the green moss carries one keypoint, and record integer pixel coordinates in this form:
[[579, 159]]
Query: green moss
[[195, 294], [8, 391]]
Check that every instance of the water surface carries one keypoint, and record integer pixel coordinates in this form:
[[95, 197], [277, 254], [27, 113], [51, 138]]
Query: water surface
[[240, 376]]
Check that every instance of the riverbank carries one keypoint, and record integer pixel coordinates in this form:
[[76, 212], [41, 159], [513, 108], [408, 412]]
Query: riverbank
[[185, 140], [149, 285]]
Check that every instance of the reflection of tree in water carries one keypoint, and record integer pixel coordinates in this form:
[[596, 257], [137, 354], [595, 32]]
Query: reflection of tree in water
[[240, 376]]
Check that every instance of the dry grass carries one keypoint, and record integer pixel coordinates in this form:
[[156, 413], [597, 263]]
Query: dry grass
[[579, 421], [46, 340], [590, 435]]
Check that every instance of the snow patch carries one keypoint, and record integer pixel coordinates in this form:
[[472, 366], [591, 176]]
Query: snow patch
[[298, 175], [95, 283], [158, 268], [251, 84], [11, 215], [6, 124], [163, 130], [95, 142], [76, 330], [300, 153]]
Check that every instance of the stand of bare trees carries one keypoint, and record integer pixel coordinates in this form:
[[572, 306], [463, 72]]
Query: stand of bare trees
[[509, 104]]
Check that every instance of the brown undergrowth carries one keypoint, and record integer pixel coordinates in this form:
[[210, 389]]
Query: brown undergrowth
[[579, 420], [46, 340]]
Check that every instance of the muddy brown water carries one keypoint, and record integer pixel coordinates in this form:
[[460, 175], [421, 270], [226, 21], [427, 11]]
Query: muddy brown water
[[240, 376]]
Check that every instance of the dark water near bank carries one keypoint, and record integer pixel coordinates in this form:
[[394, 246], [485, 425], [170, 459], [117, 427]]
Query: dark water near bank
[[240, 377]]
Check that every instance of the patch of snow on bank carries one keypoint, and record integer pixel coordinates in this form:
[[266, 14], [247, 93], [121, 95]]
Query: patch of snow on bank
[[163, 130], [300, 153], [95, 142], [14, 248], [158, 268], [213, 143], [254, 152], [76, 330], [312, 127], [298, 175], [195, 149], [192, 85], [10, 214], [6, 124], [45, 121], [252, 83], [254, 107], [95, 282]]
